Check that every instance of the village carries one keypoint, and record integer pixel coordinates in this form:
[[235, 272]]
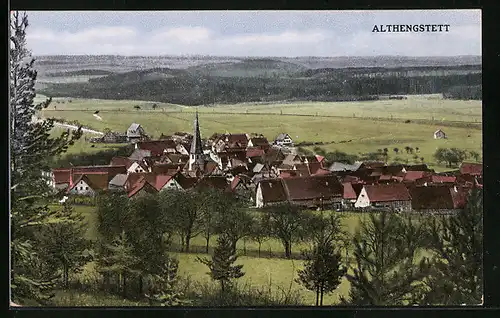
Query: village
[[265, 173]]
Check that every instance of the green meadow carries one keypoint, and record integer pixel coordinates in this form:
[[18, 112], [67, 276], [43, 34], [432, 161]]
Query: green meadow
[[358, 127]]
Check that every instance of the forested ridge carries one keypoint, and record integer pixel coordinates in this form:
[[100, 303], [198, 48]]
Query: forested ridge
[[198, 86]]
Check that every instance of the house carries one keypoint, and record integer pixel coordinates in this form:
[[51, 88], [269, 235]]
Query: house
[[283, 140], [439, 134], [270, 192], [242, 187], [139, 155], [314, 191], [136, 133], [412, 176], [112, 137], [258, 142], [157, 147], [117, 184], [438, 199], [61, 178], [474, 169], [89, 184], [140, 187], [340, 166], [393, 196], [230, 142], [349, 196]]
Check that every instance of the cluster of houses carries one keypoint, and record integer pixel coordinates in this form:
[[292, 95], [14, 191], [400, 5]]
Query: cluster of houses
[[268, 173]]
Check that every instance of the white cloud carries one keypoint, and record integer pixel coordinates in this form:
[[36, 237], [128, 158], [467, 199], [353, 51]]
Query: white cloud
[[461, 40]]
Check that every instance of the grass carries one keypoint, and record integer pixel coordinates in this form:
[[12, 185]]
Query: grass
[[347, 134], [259, 271]]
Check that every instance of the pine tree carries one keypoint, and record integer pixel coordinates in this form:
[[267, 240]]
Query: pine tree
[[457, 242], [118, 259], [322, 271], [63, 245], [221, 265], [31, 148], [385, 249], [164, 284]]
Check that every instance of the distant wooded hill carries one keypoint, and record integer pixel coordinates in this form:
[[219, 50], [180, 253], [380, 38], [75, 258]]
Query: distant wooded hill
[[257, 80]]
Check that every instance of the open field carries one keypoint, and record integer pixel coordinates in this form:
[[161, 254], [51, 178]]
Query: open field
[[260, 272], [372, 127]]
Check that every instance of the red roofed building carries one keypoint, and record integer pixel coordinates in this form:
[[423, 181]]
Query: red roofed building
[[142, 186], [349, 196], [474, 169], [393, 196], [157, 147], [89, 184], [314, 191], [61, 178], [269, 192], [258, 142], [412, 176], [438, 199]]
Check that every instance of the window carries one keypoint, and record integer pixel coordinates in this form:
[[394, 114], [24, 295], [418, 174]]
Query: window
[[86, 188]]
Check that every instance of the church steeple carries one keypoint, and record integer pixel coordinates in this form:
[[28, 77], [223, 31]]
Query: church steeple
[[196, 152]]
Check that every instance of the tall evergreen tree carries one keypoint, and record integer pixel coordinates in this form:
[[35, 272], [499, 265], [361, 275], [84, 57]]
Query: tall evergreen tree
[[457, 242], [31, 149], [119, 261], [385, 250], [63, 244], [322, 271], [221, 265], [164, 284]]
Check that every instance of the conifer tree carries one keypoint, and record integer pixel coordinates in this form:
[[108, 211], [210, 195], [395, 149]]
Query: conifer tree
[[221, 265], [31, 149], [385, 250], [63, 244], [119, 260], [457, 242], [164, 284], [322, 271]]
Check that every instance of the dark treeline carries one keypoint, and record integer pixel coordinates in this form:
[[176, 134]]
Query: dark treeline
[[197, 90], [102, 157], [465, 92]]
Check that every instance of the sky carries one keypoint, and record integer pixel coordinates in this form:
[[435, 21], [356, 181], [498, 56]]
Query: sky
[[251, 33]]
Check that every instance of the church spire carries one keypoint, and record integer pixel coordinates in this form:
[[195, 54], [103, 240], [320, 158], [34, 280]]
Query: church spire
[[196, 158], [196, 147]]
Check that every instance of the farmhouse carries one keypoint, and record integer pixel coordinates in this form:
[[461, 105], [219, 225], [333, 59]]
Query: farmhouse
[[283, 140], [438, 199], [89, 184], [388, 196], [439, 134], [136, 133], [349, 196], [258, 142], [269, 192], [473, 169]]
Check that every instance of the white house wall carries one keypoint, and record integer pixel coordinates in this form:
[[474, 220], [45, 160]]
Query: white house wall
[[171, 184], [82, 188], [259, 199], [363, 201]]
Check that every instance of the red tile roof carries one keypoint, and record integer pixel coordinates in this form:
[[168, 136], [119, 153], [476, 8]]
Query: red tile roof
[[387, 192], [142, 184], [272, 191], [156, 146], [186, 182], [161, 180], [254, 152], [61, 175], [320, 158], [443, 179], [259, 141], [322, 171], [471, 168], [415, 175], [433, 198], [313, 187], [121, 161], [94, 181], [349, 193], [218, 182], [314, 167]]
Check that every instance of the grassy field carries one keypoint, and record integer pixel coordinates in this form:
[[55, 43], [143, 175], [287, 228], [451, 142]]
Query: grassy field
[[260, 272], [370, 130]]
